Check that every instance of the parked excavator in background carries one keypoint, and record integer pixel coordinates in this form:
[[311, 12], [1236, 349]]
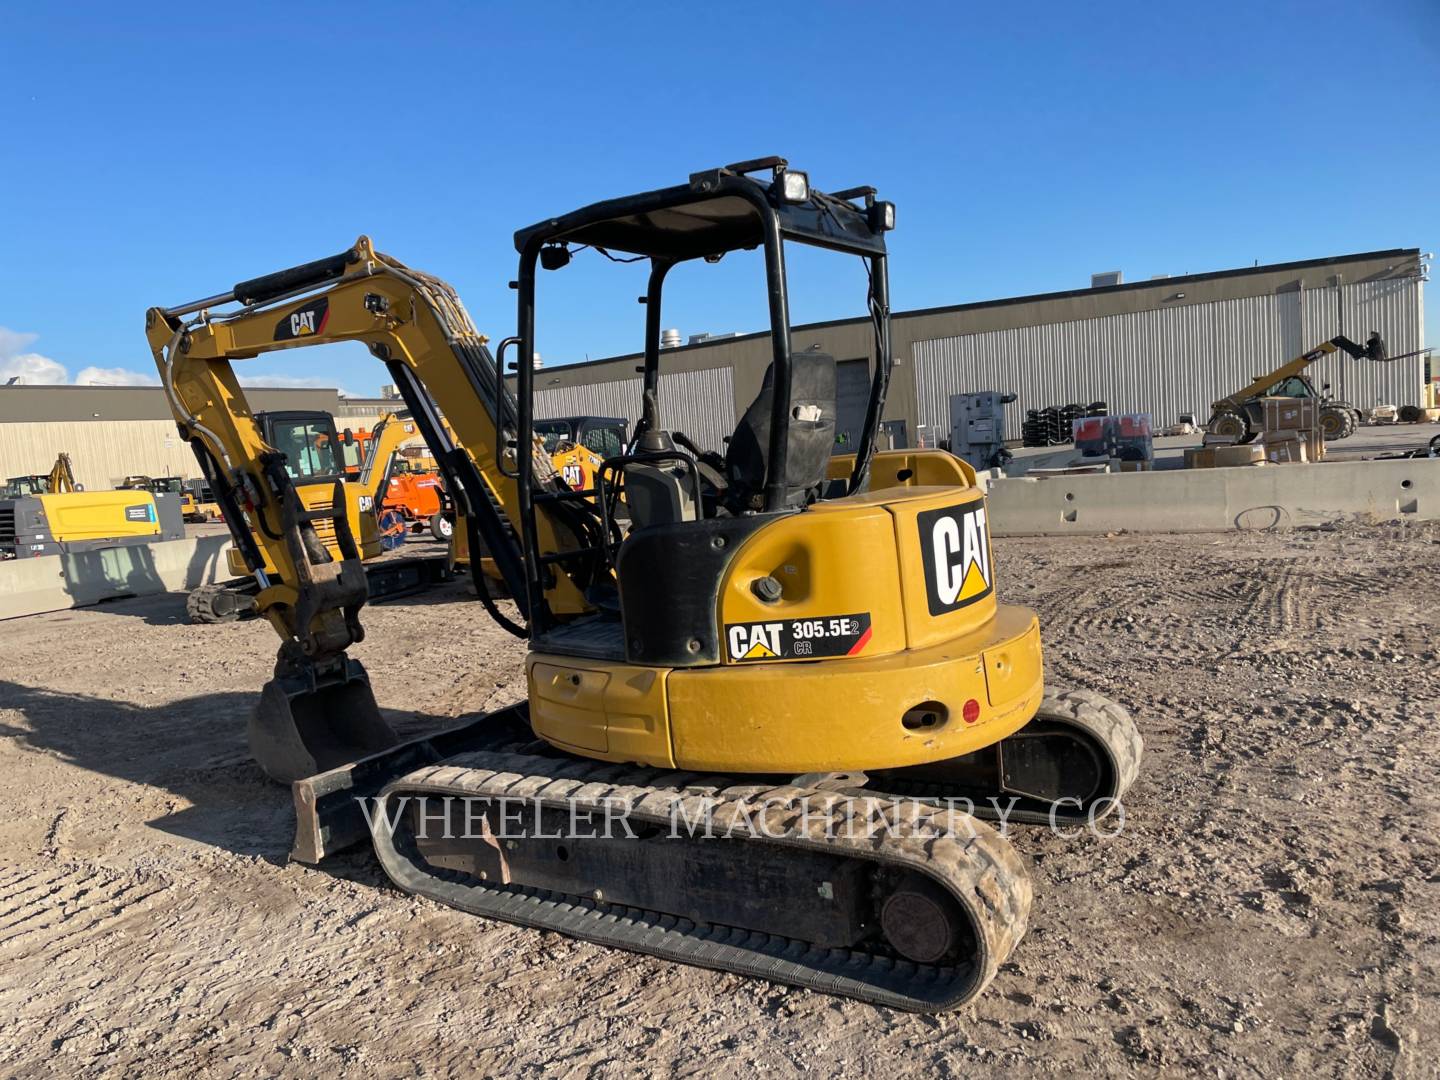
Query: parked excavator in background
[[53, 515], [206, 508], [172, 485], [315, 464], [1241, 414], [816, 664], [59, 481], [410, 499]]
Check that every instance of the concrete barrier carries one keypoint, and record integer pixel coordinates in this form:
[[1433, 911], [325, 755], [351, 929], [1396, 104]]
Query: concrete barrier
[[56, 582], [1215, 500]]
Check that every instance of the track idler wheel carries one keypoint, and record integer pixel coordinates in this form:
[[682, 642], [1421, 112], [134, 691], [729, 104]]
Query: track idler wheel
[[923, 923], [307, 723]]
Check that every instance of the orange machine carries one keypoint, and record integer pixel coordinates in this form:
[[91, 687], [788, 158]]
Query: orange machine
[[409, 499]]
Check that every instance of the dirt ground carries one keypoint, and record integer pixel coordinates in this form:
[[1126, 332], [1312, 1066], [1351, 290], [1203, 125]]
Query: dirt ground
[[1271, 906]]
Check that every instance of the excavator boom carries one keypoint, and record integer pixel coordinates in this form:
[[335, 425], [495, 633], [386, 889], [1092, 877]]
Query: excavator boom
[[418, 327]]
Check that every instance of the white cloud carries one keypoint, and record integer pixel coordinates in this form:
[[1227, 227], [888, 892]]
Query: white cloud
[[12, 341], [114, 376], [33, 369], [29, 367], [36, 370]]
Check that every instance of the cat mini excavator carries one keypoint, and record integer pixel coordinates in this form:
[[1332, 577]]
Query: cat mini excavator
[[824, 660]]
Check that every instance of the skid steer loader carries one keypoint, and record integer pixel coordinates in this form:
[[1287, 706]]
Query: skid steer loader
[[754, 706]]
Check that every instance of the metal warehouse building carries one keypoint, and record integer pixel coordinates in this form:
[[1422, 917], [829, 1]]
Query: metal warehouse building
[[1165, 346], [111, 432]]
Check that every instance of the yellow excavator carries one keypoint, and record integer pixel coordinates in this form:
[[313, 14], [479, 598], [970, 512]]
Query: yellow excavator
[[315, 464], [53, 515], [757, 709], [60, 481], [167, 485]]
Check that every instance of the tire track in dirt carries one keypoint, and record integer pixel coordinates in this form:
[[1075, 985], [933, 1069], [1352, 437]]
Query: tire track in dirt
[[56, 907]]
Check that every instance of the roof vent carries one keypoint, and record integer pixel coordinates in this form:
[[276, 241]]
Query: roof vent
[[1105, 280], [669, 339]]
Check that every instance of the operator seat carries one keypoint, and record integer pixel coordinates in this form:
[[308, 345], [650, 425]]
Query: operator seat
[[811, 436]]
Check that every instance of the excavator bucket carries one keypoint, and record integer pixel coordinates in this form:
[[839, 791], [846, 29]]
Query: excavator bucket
[[302, 727]]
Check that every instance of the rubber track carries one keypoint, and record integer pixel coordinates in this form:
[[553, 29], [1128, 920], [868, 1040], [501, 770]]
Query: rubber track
[[200, 603], [978, 867], [1112, 727]]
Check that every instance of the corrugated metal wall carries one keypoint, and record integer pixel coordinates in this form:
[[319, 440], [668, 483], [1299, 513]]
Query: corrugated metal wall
[[699, 403], [102, 454], [1179, 359]]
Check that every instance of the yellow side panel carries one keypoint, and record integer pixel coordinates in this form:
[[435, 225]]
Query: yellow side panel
[[947, 564], [908, 468], [1014, 669], [942, 536], [826, 716], [358, 509], [567, 704], [815, 558], [616, 712], [100, 515]]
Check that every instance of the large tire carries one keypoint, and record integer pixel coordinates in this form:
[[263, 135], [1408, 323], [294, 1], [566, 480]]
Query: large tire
[[1410, 414], [1230, 422], [1336, 423], [1352, 417]]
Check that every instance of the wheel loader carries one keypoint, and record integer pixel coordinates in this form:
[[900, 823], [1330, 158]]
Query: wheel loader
[[757, 709], [1241, 414]]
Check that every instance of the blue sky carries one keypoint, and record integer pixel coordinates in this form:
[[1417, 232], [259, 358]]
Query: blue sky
[[154, 156]]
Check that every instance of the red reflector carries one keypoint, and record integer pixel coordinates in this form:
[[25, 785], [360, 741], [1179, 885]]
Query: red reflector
[[971, 712]]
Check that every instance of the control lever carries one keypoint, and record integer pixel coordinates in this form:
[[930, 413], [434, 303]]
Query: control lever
[[710, 464]]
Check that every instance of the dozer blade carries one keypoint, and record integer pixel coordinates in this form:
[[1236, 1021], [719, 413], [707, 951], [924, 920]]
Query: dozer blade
[[304, 725], [328, 805]]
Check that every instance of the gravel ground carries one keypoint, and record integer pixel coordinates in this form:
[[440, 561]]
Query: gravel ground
[[1270, 907]]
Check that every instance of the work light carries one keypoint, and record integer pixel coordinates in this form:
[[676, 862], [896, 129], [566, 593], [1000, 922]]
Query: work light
[[793, 184]]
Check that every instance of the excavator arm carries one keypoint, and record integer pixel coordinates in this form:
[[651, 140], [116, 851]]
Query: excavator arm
[[417, 326], [62, 476]]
